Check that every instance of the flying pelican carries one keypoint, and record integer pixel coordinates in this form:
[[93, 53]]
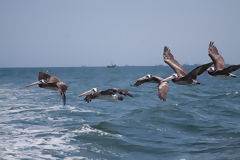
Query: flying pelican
[[182, 77], [163, 84], [51, 82], [109, 94], [219, 69]]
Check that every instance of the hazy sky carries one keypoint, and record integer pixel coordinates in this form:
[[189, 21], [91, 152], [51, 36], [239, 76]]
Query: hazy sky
[[50, 33]]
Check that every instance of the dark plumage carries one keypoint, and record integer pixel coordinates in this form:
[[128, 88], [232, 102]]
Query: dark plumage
[[219, 69], [109, 94], [163, 84], [183, 77], [48, 81]]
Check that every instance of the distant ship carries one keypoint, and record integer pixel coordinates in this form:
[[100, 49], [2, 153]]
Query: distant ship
[[111, 66]]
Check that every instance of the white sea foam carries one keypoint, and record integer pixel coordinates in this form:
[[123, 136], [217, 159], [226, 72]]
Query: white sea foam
[[161, 129], [77, 109], [18, 110], [62, 119], [27, 143], [55, 107], [100, 149], [85, 110], [88, 129], [76, 158]]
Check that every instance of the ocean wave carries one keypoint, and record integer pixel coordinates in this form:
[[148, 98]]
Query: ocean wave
[[87, 129], [225, 95], [191, 124], [81, 110], [77, 158], [31, 142]]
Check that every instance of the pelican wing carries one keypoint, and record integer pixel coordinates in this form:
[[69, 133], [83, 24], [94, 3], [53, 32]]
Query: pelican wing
[[232, 68], [169, 59], [53, 79], [48, 77], [198, 70], [140, 81], [89, 97], [44, 76], [62, 88], [63, 97], [217, 59], [121, 91], [163, 90]]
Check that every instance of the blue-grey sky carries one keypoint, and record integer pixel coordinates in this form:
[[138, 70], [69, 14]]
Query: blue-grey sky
[[51, 33]]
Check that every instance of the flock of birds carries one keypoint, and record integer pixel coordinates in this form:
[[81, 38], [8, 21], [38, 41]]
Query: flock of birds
[[180, 76]]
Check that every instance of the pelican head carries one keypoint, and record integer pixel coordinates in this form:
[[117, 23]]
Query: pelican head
[[211, 69], [94, 90], [43, 81], [91, 91], [173, 76], [148, 76], [38, 82]]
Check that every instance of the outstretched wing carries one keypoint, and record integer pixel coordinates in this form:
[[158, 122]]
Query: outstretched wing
[[63, 97], [89, 98], [62, 88], [163, 90], [139, 82], [48, 77], [142, 80], [44, 76], [121, 91], [199, 70], [169, 59], [232, 68], [53, 79], [217, 59]]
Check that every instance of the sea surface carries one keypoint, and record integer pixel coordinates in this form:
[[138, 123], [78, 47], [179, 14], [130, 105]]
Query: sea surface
[[200, 122]]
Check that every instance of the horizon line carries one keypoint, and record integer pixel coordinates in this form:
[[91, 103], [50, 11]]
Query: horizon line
[[95, 66]]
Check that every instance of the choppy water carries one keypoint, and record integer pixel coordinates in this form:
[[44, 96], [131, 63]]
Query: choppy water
[[195, 123]]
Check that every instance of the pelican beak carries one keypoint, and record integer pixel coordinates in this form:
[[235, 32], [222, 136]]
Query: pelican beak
[[141, 79], [34, 83], [85, 93]]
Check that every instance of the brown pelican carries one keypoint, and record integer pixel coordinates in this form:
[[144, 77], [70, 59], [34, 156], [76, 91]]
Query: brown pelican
[[182, 77], [51, 82], [109, 94], [163, 84], [219, 69]]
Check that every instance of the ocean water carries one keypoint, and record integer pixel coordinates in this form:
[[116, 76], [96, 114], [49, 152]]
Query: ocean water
[[199, 122]]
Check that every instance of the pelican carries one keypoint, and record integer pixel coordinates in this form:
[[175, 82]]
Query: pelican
[[163, 84], [219, 69], [51, 82], [182, 77], [109, 94]]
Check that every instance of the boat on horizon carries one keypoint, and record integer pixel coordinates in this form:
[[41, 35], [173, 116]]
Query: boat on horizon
[[111, 66]]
